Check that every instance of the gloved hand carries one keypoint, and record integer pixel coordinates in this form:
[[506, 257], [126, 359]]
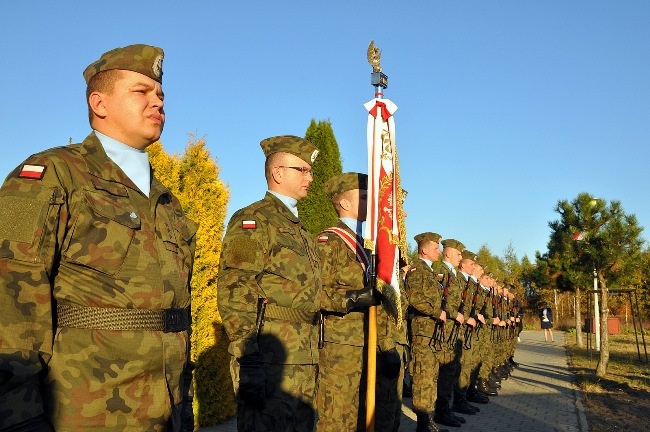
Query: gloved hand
[[252, 381], [390, 363], [362, 299]]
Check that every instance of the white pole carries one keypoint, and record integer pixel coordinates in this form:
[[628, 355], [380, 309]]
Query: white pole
[[596, 312]]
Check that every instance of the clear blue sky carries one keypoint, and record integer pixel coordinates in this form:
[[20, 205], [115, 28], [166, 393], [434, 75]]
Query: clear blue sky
[[505, 107]]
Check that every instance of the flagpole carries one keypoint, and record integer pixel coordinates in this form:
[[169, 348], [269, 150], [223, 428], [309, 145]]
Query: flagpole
[[379, 81]]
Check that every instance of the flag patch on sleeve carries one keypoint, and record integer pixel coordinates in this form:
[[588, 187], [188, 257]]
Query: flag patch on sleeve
[[32, 171], [323, 239], [249, 224]]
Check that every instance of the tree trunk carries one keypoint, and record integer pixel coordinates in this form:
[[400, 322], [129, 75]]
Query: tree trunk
[[578, 318], [601, 368]]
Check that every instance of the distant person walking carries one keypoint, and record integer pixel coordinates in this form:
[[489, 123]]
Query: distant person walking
[[546, 316]]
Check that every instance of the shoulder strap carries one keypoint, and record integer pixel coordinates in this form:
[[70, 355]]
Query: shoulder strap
[[352, 242]]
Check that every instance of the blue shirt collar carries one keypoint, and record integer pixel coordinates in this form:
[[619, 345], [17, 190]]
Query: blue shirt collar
[[134, 162], [355, 225], [291, 203]]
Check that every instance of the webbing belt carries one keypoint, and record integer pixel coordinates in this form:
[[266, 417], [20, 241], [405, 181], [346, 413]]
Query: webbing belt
[[165, 320], [274, 311]]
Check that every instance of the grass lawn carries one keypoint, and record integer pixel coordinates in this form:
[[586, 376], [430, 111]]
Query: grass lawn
[[621, 401]]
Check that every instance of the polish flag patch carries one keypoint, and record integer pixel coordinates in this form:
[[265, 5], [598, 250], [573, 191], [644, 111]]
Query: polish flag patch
[[323, 239], [32, 171], [249, 224]]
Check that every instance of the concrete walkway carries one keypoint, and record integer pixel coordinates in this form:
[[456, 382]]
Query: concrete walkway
[[538, 397]]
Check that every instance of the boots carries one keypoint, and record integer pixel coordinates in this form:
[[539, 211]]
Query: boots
[[444, 416], [473, 395], [494, 380], [426, 423], [483, 387], [512, 361], [461, 405]]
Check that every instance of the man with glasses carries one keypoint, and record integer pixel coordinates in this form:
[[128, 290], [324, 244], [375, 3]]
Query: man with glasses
[[269, 291]]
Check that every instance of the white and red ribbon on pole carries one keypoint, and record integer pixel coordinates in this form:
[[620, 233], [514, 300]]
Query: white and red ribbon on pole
[[382, 234]]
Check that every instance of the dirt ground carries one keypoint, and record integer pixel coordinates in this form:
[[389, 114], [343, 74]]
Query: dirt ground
[[617, 408], [621, 401]]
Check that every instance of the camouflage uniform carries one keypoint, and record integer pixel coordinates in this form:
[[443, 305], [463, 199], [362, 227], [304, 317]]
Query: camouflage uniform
[[484, 343], [269, 254], [341, 358], [468, 355], [449, 357], [425, 297], [79, 234]]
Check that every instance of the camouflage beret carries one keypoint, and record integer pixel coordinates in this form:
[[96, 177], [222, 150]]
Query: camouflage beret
[[469, 255], [345, 182], [144, 59], [451, 243], [290, 144], [428, 236]]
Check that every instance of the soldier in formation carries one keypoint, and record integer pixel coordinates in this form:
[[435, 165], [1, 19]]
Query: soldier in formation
[[346, 297], [269, 296], [96, 257]]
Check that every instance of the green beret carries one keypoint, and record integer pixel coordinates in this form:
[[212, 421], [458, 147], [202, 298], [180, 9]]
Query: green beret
[[469, 255], [290, 144], [144, 59], [451, 243], [345, 182], [427, 236]]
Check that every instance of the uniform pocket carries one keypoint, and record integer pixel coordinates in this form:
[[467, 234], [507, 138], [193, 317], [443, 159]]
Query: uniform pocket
[[102, 233]]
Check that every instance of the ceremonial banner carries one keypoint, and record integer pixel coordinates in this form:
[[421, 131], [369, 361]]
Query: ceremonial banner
[[382, 231]]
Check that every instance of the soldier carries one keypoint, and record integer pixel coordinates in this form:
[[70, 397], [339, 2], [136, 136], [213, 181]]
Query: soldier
[[450, 358], [483, 384], [95, 264], [269, 291], [345, 301], [425, 297], [471, 350]]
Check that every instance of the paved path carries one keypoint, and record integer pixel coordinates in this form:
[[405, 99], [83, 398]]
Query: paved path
[[538, 397]]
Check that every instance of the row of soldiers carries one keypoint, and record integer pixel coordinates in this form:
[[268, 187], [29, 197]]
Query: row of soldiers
[[463, 332], [295, 308]]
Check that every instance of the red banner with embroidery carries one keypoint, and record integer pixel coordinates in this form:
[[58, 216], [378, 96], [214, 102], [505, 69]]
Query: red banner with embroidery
[[382, 233]]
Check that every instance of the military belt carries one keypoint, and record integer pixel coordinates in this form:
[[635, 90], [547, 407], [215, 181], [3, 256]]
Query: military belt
[[274, 311], [164, 320]]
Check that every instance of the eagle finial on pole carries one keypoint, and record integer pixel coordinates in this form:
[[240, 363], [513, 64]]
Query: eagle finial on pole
[[374, 56]]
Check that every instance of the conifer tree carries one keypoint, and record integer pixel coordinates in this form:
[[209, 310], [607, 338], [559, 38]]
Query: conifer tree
[[594, 236], [194, 178], [316, 210]]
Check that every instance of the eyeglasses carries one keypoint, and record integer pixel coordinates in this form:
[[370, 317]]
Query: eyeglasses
[[304, 170]]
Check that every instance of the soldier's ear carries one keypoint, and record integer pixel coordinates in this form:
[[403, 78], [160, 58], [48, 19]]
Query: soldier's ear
[[345, 204], [97, 104], [276, 173]]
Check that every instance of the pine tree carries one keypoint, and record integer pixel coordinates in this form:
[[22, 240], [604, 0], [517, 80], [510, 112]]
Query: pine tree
[[194, 179], [316, 210], [592, 236]]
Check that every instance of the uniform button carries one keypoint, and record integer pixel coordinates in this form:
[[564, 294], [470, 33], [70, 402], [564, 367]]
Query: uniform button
[[133, 215]]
